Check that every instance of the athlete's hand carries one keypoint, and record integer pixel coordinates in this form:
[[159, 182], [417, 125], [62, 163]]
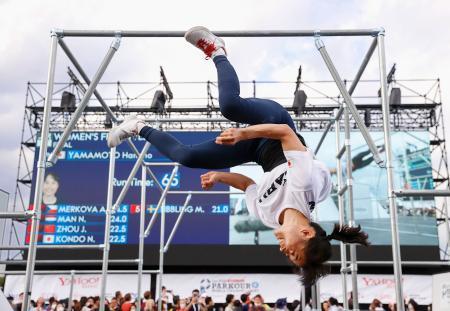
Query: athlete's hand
[[209, 179], [230, 136]]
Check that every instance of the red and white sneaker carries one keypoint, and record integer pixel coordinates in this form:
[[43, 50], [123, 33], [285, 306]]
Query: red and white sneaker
[[206, 41]]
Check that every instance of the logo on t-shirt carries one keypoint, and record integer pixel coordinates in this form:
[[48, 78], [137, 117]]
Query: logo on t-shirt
[[279, 182], [312, 205]]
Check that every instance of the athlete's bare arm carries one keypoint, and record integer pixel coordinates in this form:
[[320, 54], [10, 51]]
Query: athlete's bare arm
[[282, 132], [235, 180]]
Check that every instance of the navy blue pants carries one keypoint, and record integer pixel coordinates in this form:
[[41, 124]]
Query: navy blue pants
[[210, 155]]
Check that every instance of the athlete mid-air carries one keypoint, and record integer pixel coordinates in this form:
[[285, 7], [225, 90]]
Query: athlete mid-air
[[293, 182]]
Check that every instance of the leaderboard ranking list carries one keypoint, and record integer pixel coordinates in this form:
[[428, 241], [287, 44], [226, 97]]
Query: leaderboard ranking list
[[81, 224]]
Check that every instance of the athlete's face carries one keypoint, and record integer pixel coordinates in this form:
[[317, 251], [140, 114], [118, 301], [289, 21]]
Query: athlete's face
[[293, 241], [50, 186]]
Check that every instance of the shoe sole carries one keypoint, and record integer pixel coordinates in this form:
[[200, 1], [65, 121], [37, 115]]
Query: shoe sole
[[196, 28], [110, 134], [202, 28]]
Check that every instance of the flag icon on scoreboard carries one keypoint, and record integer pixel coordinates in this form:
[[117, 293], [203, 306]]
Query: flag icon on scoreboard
[[50, 218], [135, 208], [52, 209], [49, 229], [48, 239], [62, 155]]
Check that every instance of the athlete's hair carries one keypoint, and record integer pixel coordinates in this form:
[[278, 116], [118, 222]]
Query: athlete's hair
[[54, 176], [318, 249]]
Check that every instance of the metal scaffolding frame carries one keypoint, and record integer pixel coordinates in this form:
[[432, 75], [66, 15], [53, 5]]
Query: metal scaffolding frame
[[346, 108]]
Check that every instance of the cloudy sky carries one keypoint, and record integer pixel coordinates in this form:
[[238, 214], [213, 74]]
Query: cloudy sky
[[416, 39]]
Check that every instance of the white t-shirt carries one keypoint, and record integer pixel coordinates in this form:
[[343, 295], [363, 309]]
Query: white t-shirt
[[300, 184]]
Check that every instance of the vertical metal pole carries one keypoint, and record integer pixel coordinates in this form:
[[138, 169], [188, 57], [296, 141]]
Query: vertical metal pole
[[447, 226], [303, 300], [40, 174], [341, 208], [109, 202], [161, 253], [390, 175], [162, 205], [313, 297], [319, 303], [72, 282], [351, 220], [141, 237]]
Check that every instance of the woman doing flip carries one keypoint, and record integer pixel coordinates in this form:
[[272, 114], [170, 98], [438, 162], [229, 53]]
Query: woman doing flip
[[293, 182]]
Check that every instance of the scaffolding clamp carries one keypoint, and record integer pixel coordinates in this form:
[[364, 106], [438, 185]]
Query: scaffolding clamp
[[349, 182], [117, 38], [381, 31], [342, 190], [56, 32], [319, 43]]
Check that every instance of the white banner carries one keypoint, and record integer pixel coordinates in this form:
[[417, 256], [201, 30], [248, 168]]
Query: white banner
[[380, 286], [441, 291], [84, 285], [274, 286], [270, 286]]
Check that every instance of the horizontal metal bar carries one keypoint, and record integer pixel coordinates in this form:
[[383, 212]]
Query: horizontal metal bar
[[78, 272], [390, 263], [341, 151], [231, 33], [160, 163], [66, 262], [6, 247], [218, 120], [342, 190], [16, 215], [176, 163], [179, 109], [13, 248], [99, 246], [422, 193], [205, 192]]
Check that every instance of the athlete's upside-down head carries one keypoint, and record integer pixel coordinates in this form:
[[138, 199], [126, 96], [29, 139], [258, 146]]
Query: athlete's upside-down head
[[308, 246]]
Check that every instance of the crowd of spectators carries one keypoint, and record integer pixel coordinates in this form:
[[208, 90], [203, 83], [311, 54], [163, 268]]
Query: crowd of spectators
[[196, 302]]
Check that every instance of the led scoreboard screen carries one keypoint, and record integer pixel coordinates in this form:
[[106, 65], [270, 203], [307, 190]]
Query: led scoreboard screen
[[75, 191]]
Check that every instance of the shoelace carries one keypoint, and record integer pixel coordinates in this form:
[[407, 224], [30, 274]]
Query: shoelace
[[207, 47]]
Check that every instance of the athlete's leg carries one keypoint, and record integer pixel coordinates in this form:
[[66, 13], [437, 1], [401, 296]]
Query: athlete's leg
[[245, 110], [232, 106], [207, 154]]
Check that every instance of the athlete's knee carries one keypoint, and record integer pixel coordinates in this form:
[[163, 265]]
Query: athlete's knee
[[229, 105]]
